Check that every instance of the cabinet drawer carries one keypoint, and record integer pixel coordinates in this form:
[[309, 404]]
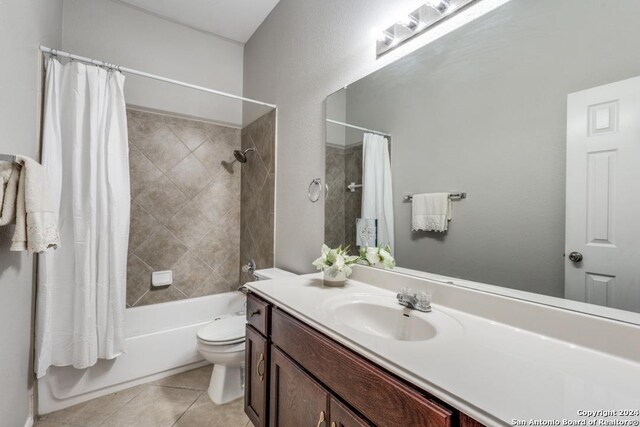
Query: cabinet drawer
[[258, 312], [381, 398]]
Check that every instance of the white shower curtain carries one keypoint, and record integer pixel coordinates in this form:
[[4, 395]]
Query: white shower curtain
[[82, 286], [377, 195]]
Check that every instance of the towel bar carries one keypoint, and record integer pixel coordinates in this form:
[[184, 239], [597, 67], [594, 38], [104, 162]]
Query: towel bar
[[452, 196]]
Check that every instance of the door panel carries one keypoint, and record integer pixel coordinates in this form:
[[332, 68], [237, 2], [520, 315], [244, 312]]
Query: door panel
[[296, 399], [341, 416], [603, 176], [256, 377]]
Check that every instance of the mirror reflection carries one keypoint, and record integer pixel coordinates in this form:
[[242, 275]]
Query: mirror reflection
[[504, 153]]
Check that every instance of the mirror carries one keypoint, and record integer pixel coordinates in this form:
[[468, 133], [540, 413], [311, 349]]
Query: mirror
[[532, 111]]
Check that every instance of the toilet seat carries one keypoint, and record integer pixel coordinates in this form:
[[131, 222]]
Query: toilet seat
[[223, 331]]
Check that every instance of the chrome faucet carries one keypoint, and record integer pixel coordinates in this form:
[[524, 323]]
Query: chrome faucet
[[415, 301]]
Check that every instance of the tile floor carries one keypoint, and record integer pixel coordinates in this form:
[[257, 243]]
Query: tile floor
[[180, 401]]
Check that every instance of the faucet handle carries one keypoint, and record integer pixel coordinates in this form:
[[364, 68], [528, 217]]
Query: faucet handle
[[424, 299]]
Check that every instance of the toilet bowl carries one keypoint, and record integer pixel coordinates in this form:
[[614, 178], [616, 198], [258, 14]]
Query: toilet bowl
[[221, 342]]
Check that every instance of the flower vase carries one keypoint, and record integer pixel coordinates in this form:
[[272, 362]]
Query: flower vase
[[339, 279]]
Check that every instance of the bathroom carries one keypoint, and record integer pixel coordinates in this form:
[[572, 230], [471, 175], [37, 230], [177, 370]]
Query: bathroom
[[337, 213]]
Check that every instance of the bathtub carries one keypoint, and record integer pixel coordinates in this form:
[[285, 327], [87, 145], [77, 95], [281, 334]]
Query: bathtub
[[161, 341]]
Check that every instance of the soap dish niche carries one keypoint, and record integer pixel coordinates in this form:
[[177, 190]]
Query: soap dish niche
[[161, 279]]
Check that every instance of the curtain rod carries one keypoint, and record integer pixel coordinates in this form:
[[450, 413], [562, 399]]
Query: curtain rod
[[56, 52], [358, 127]]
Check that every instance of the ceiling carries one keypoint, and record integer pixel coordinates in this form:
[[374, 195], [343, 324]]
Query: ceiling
[[232, 19]]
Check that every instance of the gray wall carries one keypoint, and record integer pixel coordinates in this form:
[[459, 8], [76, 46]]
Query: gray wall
[[111, 31], [24, 25], [483, 110], [304, 51]]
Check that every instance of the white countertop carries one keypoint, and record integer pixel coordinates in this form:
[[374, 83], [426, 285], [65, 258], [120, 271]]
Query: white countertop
[[491, 371]]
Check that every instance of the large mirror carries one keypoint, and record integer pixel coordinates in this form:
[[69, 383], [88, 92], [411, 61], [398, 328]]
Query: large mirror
[[505, 153]]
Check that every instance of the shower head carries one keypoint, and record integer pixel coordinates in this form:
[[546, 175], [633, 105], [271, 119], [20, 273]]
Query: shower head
[[241, 156]]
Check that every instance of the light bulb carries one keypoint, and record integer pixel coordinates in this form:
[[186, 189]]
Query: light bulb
[[410, 22], [439, 5], [385, 37]]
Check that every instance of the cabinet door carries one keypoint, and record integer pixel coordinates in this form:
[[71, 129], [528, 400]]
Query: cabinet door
[[467, 421], [296, 399], [341, 416], [255, 388]]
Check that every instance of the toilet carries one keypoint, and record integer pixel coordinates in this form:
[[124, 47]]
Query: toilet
[[221, 342]]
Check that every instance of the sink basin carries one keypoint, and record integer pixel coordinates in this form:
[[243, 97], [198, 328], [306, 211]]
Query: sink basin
[[384, 321]]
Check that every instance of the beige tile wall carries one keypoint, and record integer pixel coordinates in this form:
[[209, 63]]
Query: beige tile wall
[[258, 190], [185, 207], [334, 202], [342, 207], [352, 201]]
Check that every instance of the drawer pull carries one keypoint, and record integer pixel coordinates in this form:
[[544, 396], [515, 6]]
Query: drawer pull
[[322, 419], [255, 312], [260, 367]]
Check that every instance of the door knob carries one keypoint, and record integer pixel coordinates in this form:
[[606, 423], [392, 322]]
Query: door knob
[[575, 257]]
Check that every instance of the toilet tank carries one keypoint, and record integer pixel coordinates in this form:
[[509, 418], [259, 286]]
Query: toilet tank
[[271, 273]]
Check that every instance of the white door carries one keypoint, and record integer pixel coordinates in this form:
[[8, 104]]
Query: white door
[[603, 195]]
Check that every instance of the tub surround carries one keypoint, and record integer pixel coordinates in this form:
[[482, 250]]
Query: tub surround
[[258, 194], [505, 360], [185, 207]]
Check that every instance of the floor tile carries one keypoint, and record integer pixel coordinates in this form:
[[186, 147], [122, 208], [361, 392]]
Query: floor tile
[[196, 379], [52, 424], [205, 413], [93, 412], [155, 406]]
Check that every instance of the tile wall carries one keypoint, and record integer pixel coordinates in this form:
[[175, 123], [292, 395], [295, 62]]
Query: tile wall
[[258, 192], [185, 207], [334, 201], [342, 207]]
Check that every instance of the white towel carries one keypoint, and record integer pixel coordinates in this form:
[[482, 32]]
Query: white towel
[[36, 226], [431, 212], [9, 176]]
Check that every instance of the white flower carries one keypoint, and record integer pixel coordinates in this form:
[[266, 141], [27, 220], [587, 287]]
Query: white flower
[[334, 261], [378, 255], [388, 261], [372, 256]]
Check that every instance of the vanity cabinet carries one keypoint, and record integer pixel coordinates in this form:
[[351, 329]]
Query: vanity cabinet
[[315, 381]]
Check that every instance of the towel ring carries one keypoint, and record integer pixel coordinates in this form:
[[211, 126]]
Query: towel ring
[[315, 189]]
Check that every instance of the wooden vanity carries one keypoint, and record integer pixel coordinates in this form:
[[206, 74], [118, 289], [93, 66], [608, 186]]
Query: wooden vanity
[[297, 377]]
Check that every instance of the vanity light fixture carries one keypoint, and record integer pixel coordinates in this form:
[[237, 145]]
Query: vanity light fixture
[[417, 22]]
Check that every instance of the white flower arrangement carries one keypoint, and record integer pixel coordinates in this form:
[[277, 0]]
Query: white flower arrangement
[[336, 261], [373, 256]]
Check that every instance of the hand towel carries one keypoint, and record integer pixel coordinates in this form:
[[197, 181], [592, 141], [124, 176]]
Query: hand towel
[[9, 176], [431, 212], [36, 225]]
